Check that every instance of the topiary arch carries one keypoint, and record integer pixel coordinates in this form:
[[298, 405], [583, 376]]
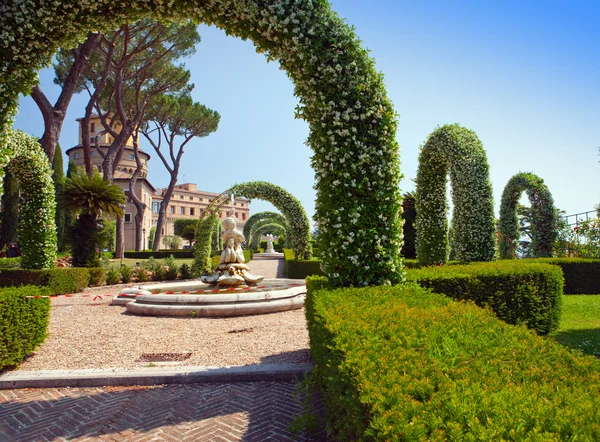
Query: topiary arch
[[342, 97], [457, 151], [273, 228], [259, 218], [543, 216], [37, 228], [288, 205]]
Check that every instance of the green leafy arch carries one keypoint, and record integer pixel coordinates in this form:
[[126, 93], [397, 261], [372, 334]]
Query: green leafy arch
[[262, 217], [37, 228], [274, 228], [543, 216], [455, 151], [341, 95], [288, 205]]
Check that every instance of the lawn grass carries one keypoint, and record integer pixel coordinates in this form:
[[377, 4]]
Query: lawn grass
[[580, 324]]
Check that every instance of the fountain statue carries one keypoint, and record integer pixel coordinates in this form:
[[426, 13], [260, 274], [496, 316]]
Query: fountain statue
[[232, 270], [270, 248]]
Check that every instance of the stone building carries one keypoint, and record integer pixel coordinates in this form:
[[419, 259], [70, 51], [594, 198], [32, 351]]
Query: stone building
[[187, 201]]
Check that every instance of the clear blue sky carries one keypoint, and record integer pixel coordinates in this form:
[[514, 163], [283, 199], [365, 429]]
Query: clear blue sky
[[525, 76]]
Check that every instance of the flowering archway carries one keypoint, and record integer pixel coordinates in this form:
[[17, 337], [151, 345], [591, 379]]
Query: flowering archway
[[37, 228], [455, 151], [260, 218], [342, 97], [543, 216]]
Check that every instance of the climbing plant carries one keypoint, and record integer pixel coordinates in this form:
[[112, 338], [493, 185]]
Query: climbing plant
[[455, 151], [288, 205], [341, 95], [37, 228], [543, 216], [202, 249], [255, 220], [272, 228]]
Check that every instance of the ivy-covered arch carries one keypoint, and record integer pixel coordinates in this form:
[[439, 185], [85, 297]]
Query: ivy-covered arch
[[543, 216], [288, 205], [456, 151], [260, 217], [273, 228], [342, 97], [37, 228]]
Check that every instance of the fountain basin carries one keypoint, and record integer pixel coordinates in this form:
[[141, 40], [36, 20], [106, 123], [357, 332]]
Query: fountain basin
[[196, 299]]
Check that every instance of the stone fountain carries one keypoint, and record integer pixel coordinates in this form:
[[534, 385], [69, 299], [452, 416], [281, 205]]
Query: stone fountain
[[231, 291]]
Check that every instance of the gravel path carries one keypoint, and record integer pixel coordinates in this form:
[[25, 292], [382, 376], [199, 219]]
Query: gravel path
[[88, 333]]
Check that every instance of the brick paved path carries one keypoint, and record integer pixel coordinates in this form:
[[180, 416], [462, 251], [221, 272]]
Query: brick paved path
[[202, 412]]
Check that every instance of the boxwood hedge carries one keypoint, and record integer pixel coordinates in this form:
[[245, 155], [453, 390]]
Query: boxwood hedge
[[582, 276], [402, 363], [59, 280], [519, 292], [23, 322]]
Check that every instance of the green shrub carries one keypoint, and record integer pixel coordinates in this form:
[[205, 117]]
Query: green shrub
[[141, 274], [113, 276], [97, 276], [519, 292], [185, 272], [172, 268], [402, 363], [58, 280], [158, 272], [23, 322], [582, 276], [10, 263], [126, 274], [300, 268]]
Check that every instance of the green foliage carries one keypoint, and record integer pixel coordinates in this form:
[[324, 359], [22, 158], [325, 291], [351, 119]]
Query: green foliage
[[272, 228], [141, 274], [580, 324], [23, 322], [10, 210], [543, 221], [202, 249], [582, 276], [151, 235], [409, 215], [97, 276], [91, 197], [159, 254], [113, 276], [300, 268], [37, 230], [455, 151], [58, 280], [172, 241], [288, 205], [342, 97], [261, 218], [517, 292], [185, 272], [62, 217], [126, 274], [172, 268], [157, 269], [402, 363], [10, 263]]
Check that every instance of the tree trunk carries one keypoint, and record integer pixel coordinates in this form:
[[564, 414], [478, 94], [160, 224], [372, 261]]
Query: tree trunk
[[162, 213], [120, 240]]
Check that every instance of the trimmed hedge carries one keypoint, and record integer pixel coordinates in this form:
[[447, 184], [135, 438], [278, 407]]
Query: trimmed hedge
[[582, 276], [188, 253], [518, 292], [402, 363], [59, 280], [300, 268], [23, 322], [10, 263]]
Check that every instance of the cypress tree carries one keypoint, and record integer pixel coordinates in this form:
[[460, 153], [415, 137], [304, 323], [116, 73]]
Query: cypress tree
[[58, 176]]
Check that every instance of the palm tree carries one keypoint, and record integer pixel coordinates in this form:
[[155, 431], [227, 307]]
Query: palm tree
[[92, 198]]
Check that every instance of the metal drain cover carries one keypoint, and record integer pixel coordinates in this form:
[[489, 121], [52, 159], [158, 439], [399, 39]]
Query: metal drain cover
[[163, 357]]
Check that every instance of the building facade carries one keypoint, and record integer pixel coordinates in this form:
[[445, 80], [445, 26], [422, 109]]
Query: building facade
[[186, 202]]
